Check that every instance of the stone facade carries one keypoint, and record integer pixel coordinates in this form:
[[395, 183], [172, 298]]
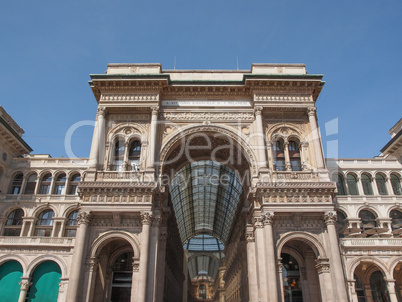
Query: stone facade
[[301, 228]]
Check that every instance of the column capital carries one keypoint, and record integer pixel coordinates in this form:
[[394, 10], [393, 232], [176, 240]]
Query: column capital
[[156, 221], [25, 284], [311, 111], [146, 218], [304, 144], [92, 263], [322, 265], [258, 110], [155, 110], [268, 218], [84, 218], [330, 217], [258, 222], [136, 266], [101, 111]]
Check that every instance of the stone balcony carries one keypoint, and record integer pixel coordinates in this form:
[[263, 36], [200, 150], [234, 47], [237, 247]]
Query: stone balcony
[[39, 198], [36, 241], [372, 243]]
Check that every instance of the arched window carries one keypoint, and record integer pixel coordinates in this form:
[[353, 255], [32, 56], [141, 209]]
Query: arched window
[[396, 184], [119, 149], [294, 155], [14, 223], [16, 185], [74, 181], [279, 156], [368, 220], [122, 277], [31, 184], [44, 223], [381, 185], [352, 185], [71, 225], [45, 183], [339, 183], [341, 224], [366, 183], [378, 287], [396, 223], [134, 155], [60, 185], [202, 292], [359, 287]]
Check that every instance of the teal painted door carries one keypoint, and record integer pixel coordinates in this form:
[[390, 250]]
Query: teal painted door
[[45, 283], [10, 274]]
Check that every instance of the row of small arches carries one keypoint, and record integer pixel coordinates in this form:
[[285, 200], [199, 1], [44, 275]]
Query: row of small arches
[[43, 226], [350, 187], [58, 184]]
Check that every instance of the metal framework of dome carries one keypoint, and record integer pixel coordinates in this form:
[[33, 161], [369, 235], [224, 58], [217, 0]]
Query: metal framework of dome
[[205, 195]]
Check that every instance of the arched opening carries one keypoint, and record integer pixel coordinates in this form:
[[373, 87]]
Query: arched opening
[[342, 224], [292, 287], [368, 222], [118, 155], [396, 222], [45, 283], [74, 181], [112, 278], [71, 224], [279, 155], [381, 184], [301, 280], [44, 224], [370, 284], [366, 183], [45, 183], [16, 184], [31, 184], [396, 184], [60, 184], [207, 175], [134, 154], [294, 155], [352, 184], [397, 273], [10, 275], [338, 179]]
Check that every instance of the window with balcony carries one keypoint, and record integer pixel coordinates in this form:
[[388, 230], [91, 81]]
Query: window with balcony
[[45, 183], [368, 220], [396, 184], [71, 224], [381, 184], [14, 223], [366, 183], [17, 183], [31, 184], [60, 185], [396, 222], [338, 179], [352, 185], [44, 224], [74, 181], [134, 155], [279, 155], [294, 156], [119, 149]]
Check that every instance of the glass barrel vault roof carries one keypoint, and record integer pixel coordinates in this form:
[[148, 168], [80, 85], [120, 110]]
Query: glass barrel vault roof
[[205, 195]]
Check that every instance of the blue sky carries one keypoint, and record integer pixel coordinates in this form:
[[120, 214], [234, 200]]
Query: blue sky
[[49, 48]]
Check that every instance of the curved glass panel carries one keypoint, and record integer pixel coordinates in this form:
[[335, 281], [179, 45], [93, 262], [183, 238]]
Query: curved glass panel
[[205, 195]]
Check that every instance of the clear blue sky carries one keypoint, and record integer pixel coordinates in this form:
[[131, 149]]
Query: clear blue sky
[[49, 48]]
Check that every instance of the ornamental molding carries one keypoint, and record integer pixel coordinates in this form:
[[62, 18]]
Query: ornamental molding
[[322, 265], [24, 284], [171, 92], [206, 116], [128, 97], [250, 236], [136, 266], [128, 118], [283, 98], [119, 185], [146, 218], [311, 111], [109, 222], [267, 218], [117, 199]]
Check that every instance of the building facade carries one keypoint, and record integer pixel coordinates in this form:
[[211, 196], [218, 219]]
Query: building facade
[[201, 185]]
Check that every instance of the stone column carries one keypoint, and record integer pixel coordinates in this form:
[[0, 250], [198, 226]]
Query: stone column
[[146, 219], [84, 220], [98, 140], [270, 257], [391, 290], [287, 157], [324, 276], [3, 221], [280, 284], [367, 292], [152, 260], [161, 263], [315, 135], [93, 267], [251, 267], [261, 258], [260, 138], [134, 282], [152, 141], [62, 288], [389, 186], [25, 284], [352, 290], [303, 157], [270, 155], [32, 224], [304, 281], [330, 219]]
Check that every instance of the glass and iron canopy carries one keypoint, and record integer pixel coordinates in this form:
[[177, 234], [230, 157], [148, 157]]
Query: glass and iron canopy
[[205, 196]]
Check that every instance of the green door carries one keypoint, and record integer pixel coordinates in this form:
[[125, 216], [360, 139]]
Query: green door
[[45, 283], [10, 275]]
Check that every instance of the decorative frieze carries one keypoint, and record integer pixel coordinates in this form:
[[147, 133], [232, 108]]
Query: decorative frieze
[[283, 98], [206, 116], [126, 97], [118, 198]]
